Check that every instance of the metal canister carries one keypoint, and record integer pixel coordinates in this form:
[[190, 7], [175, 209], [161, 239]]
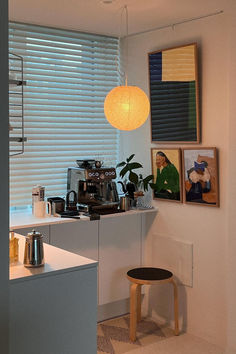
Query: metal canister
[[124, 203], [38, 193], [34, 255]]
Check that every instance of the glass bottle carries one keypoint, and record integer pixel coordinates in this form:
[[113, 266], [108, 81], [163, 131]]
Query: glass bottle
[[13, 248]]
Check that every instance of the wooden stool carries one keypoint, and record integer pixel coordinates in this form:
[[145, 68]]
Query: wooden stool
[[149, 276]]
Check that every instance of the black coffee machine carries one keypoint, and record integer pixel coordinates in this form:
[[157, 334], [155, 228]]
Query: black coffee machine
[[95, 187]]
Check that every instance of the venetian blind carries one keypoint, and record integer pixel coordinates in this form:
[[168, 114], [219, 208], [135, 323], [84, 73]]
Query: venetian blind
[[68, 75]]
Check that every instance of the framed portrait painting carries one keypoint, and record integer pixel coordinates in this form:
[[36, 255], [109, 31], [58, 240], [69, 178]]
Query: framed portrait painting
[[200, 176], [166, 169]]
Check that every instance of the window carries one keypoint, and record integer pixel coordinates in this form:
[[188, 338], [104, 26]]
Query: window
[[68, 75]]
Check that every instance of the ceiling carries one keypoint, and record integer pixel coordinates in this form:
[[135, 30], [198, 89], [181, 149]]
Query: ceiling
[[96, 17]]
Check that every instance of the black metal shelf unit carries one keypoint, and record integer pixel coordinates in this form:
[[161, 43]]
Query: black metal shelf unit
[[16, 105]]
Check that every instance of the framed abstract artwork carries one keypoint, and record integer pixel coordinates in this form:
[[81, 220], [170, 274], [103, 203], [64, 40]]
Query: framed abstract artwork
[[166, 168], [174, 97], [200, 176]]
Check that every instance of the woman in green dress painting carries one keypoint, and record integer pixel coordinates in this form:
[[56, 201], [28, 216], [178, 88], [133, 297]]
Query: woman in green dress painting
[[167, 180]]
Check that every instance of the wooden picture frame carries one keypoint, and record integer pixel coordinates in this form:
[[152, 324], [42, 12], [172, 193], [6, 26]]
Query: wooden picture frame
[[200, 176], [167, 172], [174, 95]]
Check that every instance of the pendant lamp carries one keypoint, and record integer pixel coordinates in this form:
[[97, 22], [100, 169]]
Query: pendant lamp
[[126, 107]]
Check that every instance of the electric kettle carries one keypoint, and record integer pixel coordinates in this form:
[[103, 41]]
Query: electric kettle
[[34, 255]]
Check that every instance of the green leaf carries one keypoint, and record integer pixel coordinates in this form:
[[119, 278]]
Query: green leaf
[[130, 158], [133, 177], [152, 185], [124, 171], [123, 163], [145, 187], [148, 179], [134, 165]]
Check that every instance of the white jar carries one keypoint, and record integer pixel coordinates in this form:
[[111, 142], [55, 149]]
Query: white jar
[[38, 193]]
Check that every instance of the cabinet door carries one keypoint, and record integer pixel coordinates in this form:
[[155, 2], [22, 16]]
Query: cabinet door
[[54, 314], [44, 230], [119, 251], [80, 237]]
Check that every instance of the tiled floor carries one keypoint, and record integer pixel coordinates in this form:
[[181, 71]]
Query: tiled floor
[[113, 338], [183, 344], [113, 335]]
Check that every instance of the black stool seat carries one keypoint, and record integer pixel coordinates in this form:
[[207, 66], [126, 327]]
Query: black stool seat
[[148, 273]]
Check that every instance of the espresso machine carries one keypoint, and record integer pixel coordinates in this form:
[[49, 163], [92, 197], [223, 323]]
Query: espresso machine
[[95, 187]]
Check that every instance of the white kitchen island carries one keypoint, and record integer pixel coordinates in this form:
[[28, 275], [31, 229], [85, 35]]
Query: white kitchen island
[[53, 309]]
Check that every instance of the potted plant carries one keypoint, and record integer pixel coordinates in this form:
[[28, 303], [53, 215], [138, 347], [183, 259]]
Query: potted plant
[[137, 183]]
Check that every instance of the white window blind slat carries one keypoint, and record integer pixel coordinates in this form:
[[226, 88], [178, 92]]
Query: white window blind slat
[[87, 86], [68, 71], [68, 75], [70, 80], [61, 49], [57, 34], [66, 61], [57, 55], [71, 66], [67, 96], [59, 42]]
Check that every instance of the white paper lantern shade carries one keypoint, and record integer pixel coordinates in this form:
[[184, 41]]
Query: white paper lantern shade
[[126, 107]]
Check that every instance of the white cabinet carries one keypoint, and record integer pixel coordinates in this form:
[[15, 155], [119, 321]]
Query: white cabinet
[[80, 237], [54, 314], [114, 241], [44, 230], [119, 251]]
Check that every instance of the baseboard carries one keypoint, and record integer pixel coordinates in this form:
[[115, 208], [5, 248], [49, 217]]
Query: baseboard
[[113, 309]]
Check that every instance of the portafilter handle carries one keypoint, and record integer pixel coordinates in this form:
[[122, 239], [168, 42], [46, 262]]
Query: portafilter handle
[[71, 204]]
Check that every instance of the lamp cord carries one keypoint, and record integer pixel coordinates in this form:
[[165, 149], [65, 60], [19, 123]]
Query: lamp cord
[[127, 47], [123, 73]]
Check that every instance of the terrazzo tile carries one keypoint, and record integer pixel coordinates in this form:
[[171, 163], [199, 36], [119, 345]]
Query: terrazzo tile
[[121, 347], [104, 345], [117, 333], [118, 322], [113, 335], [99, 331]]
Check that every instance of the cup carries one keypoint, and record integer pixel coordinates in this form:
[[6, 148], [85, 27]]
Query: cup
[[124, 203], [40, 209], [98, 164]]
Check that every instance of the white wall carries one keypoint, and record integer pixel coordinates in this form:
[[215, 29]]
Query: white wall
[[231, 185], [204, 307], [4, 278]]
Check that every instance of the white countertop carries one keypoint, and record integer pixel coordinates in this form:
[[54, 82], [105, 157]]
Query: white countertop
[[19, 220], [56, 261]]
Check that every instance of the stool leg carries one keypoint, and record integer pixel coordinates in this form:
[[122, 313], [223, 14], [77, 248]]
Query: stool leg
[[176, 308], [139, 303], [133, 311]]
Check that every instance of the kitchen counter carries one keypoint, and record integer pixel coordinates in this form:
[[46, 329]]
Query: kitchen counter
[[61, 297], [21, 219], [53, 309], [56, 261], [26, 219]]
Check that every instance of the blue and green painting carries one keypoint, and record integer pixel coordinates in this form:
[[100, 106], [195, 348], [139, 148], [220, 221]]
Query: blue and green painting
[[173, 94]]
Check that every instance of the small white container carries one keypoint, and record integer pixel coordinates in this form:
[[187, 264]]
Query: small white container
[[38, 193]]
